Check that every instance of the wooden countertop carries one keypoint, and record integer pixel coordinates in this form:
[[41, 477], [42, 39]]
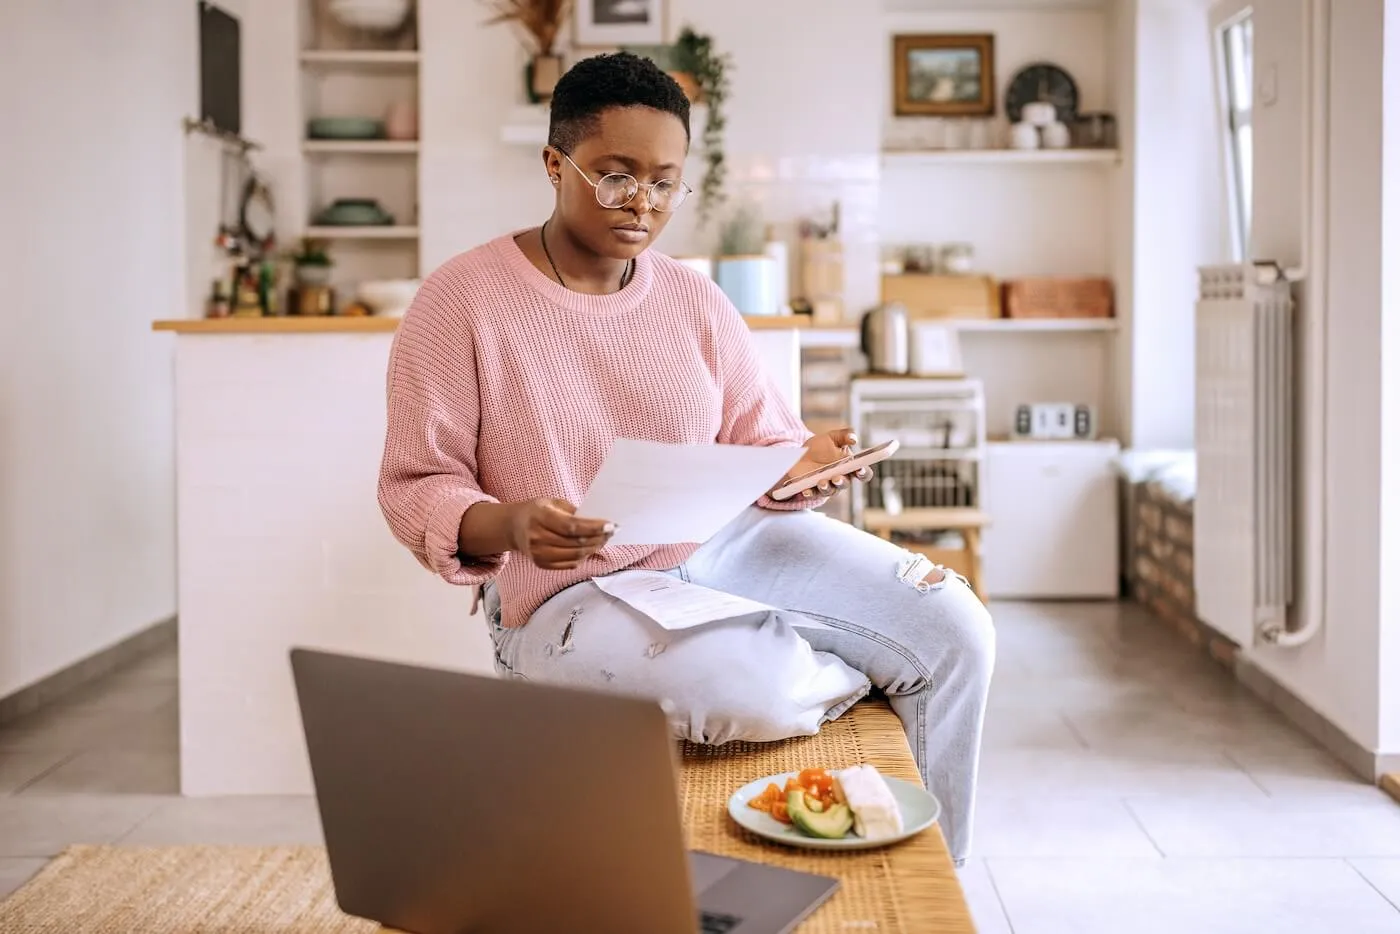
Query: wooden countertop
[[335, 324]]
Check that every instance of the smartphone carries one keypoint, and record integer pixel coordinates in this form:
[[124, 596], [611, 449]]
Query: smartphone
[[848, 464]]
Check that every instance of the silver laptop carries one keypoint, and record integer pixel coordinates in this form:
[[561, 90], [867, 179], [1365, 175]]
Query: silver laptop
[[457, 804]]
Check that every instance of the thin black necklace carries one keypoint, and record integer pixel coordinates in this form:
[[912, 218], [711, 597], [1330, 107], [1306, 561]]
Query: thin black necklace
[[626, 270]]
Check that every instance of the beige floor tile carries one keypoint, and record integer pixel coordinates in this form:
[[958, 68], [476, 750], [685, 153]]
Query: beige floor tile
[[1269, 827], [235, 821], [1056, 774], [1197, 896], [982, 898], [1309, 773], [1058, 827], [18, 769], [1383, 874], [44, 826], [113, 772], [14, 872], [1031, 728], [56, 729]]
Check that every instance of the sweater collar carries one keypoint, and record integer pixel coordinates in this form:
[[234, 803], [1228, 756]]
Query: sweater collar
[[624, 299]]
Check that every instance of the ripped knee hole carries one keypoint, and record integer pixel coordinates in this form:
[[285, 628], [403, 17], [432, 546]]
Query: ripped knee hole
[[919, 572]]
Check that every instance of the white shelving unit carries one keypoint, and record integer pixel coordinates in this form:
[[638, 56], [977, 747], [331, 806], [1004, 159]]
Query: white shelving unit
[[341, 79], [360, 58], [1036, 325], [356, 147], [1104, 157], [363, 233]]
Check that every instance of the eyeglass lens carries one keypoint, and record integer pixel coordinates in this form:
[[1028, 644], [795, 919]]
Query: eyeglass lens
[[617, 190]]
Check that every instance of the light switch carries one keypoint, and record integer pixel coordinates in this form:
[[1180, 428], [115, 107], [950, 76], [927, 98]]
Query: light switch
[[1266, 85]]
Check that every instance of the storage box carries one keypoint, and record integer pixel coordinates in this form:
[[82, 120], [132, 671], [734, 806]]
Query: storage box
[[1058, 297], [925, 296]]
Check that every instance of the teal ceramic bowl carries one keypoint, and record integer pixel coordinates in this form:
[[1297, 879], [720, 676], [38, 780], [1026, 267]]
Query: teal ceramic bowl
[[354, 212], [345, 128]]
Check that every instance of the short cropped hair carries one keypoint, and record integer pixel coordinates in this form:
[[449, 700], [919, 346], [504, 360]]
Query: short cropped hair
[[596, 84]]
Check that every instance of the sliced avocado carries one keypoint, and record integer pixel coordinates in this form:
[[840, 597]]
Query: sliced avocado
[[832, 824]]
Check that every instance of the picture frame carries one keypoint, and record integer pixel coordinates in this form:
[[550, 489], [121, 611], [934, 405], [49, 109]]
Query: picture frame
[[611, 24], [945, 75]]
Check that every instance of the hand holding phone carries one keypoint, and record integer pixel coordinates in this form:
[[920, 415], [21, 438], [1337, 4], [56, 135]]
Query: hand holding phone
[[840, 468]]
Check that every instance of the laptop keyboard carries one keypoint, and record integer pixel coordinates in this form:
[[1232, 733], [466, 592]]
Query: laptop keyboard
[[717, 924]]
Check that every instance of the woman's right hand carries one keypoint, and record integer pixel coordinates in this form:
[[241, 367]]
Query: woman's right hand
[[550, 535]]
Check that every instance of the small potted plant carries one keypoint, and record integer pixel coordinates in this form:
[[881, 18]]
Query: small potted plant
[[312, 263], [746, 273], [694, 54], [541, 21]]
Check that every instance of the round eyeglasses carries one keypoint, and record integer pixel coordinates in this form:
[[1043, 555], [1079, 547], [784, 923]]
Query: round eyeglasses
[[617, 189]]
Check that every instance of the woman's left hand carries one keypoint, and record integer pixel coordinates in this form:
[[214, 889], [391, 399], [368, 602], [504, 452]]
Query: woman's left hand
[[823, 449]]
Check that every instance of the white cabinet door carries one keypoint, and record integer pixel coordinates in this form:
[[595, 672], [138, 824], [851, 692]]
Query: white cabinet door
[[780, 354], [1054, 519]]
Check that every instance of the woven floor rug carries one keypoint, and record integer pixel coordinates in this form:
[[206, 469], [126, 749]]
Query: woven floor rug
[[180, 890]]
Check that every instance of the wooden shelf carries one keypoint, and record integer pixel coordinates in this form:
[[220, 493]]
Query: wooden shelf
[[292, 324], [917, 520], [352, 58], [850, 336], [1032, 325], [317, 324], [777, 322], [367, 147], [894, 157], [362, 233]]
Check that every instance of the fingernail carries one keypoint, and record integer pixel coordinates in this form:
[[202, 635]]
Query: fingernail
[[610, 528]]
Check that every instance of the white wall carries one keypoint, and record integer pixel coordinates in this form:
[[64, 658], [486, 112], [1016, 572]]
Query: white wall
[[91, 240], [1389, 677], [1178, 184], [1350, 672]]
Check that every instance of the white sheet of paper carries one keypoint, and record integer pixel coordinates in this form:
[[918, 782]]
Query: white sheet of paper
[[672, 602], [665, 494]]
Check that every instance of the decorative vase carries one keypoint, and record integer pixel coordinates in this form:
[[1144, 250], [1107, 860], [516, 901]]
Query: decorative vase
[[689, 85], [541, 75], [749, 281], [308, 274], [401, 122]]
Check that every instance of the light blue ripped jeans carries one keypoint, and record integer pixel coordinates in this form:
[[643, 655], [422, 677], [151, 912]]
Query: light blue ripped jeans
[[843, 619]]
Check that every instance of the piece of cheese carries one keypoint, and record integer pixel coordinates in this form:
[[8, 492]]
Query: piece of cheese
[[870, 800]]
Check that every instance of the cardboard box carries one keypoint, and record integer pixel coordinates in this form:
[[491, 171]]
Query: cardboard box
[[927, 296]]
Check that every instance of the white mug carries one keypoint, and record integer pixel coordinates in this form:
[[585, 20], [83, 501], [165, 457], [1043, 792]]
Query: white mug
[[1024, 136], [1055, 136], [1038, 113]]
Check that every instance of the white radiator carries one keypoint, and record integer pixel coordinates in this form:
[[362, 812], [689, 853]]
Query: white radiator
[[1244, 449]]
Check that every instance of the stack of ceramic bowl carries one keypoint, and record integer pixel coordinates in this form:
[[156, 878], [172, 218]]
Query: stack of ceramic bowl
[[355, 212], [370, 15], [388, 298]]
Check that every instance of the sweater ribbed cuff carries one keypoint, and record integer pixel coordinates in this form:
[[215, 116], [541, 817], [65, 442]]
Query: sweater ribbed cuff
[[444, 529]]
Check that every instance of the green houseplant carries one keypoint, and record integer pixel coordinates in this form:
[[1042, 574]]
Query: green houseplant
[[312, 263], [695, 55]]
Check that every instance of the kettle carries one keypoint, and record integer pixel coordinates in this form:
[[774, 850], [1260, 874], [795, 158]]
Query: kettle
[[884, 338]]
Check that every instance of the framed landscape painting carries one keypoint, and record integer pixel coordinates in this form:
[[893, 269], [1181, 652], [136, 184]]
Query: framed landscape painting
[[944, 75], [606, 24]]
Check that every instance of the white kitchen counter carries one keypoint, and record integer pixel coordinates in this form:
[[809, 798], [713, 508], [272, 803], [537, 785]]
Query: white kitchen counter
[[279, 433]]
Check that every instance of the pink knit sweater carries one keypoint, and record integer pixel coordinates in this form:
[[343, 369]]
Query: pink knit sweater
[[504, 386]]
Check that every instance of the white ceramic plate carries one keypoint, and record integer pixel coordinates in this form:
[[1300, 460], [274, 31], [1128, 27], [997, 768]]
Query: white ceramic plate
[[919, 809]]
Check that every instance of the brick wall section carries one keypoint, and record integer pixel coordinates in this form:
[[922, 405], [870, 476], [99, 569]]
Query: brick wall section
[[1160, 568]]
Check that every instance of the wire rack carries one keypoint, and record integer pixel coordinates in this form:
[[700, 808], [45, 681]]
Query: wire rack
[[941, 426]]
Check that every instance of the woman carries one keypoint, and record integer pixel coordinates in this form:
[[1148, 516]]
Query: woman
[[522, 360]]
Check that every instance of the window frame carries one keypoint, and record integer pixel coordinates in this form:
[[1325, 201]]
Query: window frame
[[1239, 171]]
